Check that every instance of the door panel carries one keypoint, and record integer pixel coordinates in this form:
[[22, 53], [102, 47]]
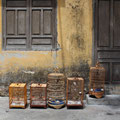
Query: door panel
[[41, 41], [36, 21], [10, 19], [104, 33], [107, 38], [116, 72], [106, 65], [116, 23], [11, 41], [108, 55], [47, 22], [21, 22], [16, 3], [41, 3]]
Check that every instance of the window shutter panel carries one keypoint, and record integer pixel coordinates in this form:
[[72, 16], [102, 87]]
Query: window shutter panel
[[16, 25], [42, 25]]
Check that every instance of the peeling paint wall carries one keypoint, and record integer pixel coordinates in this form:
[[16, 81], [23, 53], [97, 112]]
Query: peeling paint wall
[[74, 28]]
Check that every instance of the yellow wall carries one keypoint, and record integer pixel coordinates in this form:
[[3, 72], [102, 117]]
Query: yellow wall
[[74, 27]]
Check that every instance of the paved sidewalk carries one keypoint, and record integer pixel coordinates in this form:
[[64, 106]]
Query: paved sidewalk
[[90, 112]]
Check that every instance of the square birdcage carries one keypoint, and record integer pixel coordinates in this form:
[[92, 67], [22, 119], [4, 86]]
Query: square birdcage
[[97, 80], [38, 95], [17, 95], [75, 92]]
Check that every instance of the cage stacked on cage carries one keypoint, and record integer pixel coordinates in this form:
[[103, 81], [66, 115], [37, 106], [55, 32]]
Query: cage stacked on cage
[[75, 92], [17, 95], [56, 90], [97, 80], [38, 95]]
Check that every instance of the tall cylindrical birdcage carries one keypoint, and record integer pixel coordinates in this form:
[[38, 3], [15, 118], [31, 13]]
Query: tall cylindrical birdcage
[[97, 80], [56, 90], [56, 86]]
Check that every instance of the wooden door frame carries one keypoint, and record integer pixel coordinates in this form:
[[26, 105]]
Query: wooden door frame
[[94, 32]]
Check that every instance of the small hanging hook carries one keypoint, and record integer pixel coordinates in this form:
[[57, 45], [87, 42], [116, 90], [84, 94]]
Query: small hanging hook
[[98, 64], [56, 70]]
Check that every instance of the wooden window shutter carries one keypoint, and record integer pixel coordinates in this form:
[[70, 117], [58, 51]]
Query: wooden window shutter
[[15, 25], [42, 24], [29, 24]]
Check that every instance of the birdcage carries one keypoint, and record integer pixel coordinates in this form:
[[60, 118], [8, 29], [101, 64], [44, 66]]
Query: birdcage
[[97, 80], [75, 92], [17, 95], [38, 95], [56, 89]]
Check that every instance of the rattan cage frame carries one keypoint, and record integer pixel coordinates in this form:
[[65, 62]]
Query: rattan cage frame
[[93, 81], [45, 89], [56, 77], [82, 94], [16, 85]]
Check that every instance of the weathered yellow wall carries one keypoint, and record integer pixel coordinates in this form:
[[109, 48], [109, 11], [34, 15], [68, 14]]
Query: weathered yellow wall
[[74, 27]]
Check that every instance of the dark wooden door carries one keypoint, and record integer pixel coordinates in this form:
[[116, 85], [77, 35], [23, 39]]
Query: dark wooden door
[[107, 38]]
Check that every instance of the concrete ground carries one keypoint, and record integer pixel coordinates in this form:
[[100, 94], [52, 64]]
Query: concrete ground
[[90, 112]]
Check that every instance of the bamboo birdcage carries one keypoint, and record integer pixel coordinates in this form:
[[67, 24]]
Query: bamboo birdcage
[[75, 92], [38, 95], [97, 80], [56, 86], [17, 95], [56, 89]]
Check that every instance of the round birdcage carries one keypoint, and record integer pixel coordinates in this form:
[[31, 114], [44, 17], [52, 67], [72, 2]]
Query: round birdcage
[[56, 86], [97, 80]]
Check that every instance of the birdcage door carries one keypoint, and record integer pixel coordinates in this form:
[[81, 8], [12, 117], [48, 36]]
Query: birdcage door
[[74, 89]]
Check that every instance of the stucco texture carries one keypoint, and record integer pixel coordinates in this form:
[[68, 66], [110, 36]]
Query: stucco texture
[[74, 28]]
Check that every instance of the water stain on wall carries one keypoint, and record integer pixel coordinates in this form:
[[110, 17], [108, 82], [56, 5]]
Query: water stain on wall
[[76, 12]]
